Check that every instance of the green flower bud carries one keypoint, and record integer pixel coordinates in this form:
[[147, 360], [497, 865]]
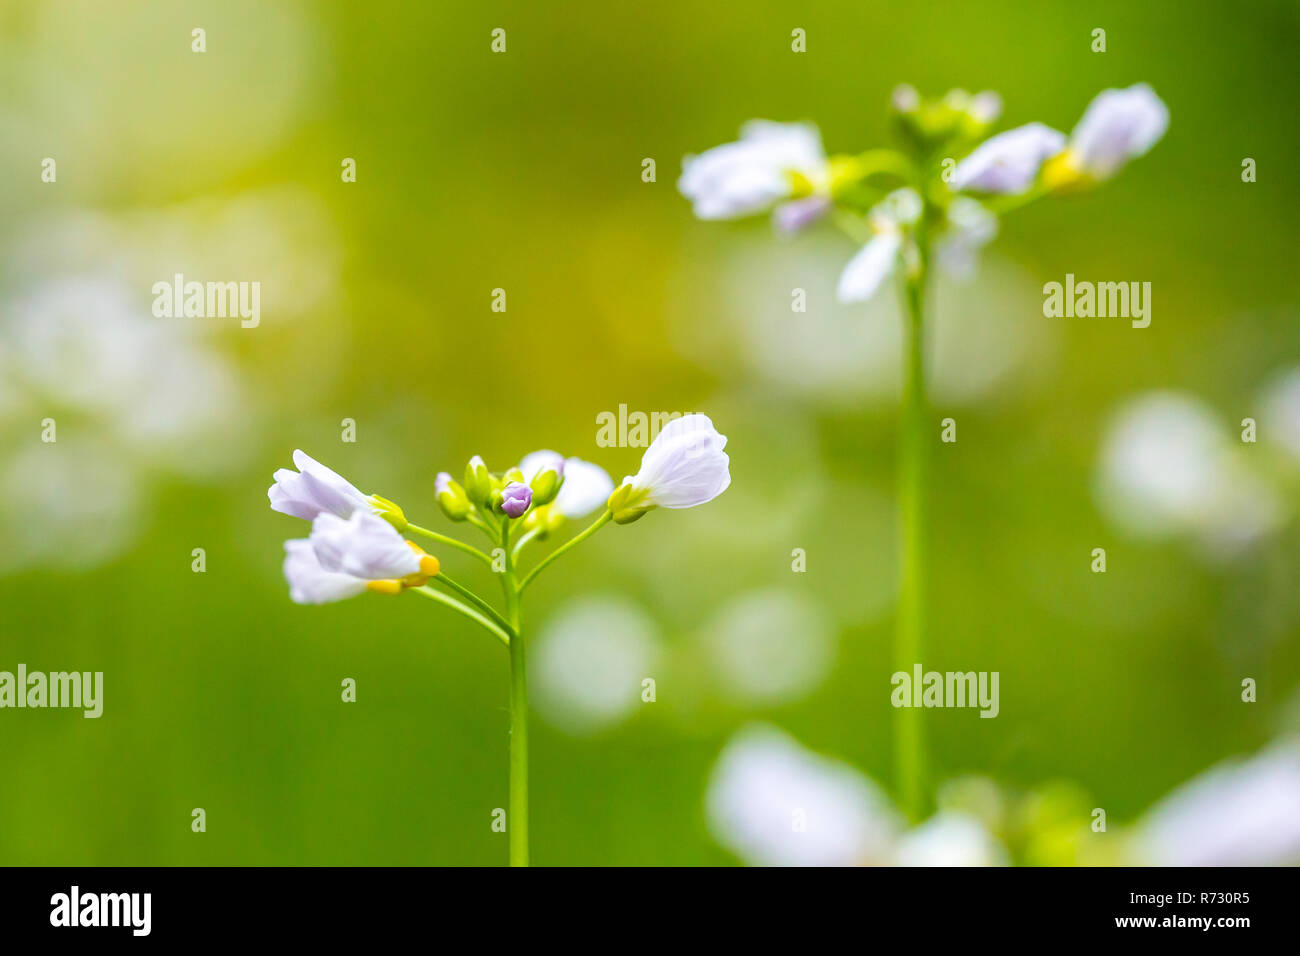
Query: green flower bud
[[546, 485], [628, 503], [389, 511], [451, 497], [478, 481]]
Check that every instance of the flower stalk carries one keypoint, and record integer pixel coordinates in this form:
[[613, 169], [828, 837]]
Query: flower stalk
[[356, 544]]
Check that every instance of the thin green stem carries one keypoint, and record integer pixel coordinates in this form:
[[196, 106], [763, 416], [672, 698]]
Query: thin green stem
[[473, 615], [909, 739], [572, 542], [451, 542], [517, 814], [482, 605], [523, 540]]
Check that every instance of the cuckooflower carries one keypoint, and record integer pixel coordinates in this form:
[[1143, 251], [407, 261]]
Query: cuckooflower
[[771, 162], [970, 228], [366, 546], [1008, 162], [877, 259], [314, 489], [1117, 126], [684, 466], [309, 583], [516, 497]]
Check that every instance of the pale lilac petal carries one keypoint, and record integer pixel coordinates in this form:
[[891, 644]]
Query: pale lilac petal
[[309, 583], [685, 465], [1009, 162], [1117, 126], [869, 268], [365, 546]]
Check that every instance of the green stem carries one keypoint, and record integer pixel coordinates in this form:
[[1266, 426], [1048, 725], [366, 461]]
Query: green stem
[[470, 613], [572, 542], [517, 814], [523, 540], [909, 740], [451, 542], [482, 605]]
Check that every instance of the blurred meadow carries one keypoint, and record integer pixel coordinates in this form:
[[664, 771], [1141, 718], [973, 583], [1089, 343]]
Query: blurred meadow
[[522, 171]]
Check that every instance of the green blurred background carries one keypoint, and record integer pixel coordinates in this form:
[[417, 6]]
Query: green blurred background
[[522, 171]]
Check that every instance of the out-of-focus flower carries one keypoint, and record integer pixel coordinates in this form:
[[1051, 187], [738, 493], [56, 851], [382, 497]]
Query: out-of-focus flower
[[1117, 126], [309, 583], [1280, 419], [366, 546], [314, 489], [684, 466], [543, 471], [586, 487], [1238, 813], [589, 661], [770, 162], [1168, 468], [1009, 162], [770, 646], [515, 499], [970, 228], [773, 803], [950, 838], [877, 259]]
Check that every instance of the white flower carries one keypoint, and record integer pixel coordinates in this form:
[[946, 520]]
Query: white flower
[[970, 228], [364, 546], [684, 466], [950, 838], [1117, 126], [315, 489], [774, 803], [1238, 813], [586, 486], [877, 260], [1167, 467], [1008, 162], [762, 168], [309, 583]]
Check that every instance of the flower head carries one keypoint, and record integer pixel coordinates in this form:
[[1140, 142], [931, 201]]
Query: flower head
[[1008, 162], [366, 546], [309, 583], [770, 162], [314, 489], [515, 498], [1117, 126], [684, 466]]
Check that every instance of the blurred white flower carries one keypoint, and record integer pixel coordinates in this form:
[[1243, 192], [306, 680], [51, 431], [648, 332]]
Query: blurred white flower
[[1280, 419], [1167, 467], [315, 489], [970, 228], [364, 546], [684, 466], [770, 162], [309, 583], [1008, 163], [1237, 813], [770, 646], [1117, 126], [773, 803], [589, 660], [950, 838], [876, 260]]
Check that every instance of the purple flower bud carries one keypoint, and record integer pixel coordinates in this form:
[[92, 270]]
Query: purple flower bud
[[516, 498]]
